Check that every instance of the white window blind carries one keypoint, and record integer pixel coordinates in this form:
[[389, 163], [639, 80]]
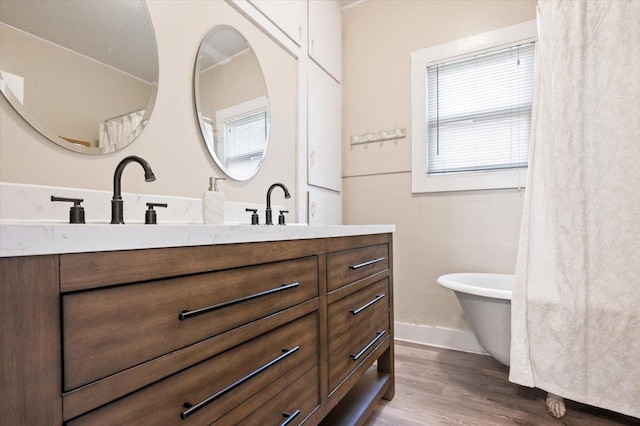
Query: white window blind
[[245, 141], [479, 111]]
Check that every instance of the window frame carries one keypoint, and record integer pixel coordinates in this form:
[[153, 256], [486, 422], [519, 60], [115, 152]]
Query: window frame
[[477, 180]]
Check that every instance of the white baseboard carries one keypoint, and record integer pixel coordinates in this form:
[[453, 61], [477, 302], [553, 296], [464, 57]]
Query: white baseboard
[[440, 337]]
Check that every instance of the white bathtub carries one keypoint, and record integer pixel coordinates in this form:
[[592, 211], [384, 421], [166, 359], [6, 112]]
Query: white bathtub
[[486, 301]]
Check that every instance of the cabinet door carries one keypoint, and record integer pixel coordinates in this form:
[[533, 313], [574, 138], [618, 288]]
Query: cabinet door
[[325, 36], [288, 15], [325, 130], [325, 207]]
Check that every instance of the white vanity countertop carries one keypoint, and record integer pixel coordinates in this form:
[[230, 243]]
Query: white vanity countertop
[[28, 238]]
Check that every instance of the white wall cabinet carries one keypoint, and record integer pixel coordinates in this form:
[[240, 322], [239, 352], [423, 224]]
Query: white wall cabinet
[[311, 31], [324, 130], [325, 36], [325, 207], [288, 15]]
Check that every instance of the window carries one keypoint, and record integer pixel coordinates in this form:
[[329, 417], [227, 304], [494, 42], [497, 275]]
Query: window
[[479, 111], [471, 119]]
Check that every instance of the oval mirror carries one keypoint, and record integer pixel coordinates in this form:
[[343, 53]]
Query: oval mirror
[[232, 102], [82, 73]]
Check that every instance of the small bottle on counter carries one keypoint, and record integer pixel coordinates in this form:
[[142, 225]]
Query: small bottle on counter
[[213, 204]]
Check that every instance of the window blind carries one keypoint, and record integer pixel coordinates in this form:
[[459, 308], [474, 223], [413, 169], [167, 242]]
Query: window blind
[[245, 141], [479, 111]]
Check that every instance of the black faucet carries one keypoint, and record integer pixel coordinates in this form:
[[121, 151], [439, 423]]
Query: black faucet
[[269, 220], [117, 212]]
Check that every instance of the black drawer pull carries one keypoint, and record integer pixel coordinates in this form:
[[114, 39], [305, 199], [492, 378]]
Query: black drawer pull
[[379, 335], [366, 305], [289, 417], [189, 314], [192, 408], [371, 262]]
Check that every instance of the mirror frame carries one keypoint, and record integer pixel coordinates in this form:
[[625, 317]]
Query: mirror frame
[[200, 118]]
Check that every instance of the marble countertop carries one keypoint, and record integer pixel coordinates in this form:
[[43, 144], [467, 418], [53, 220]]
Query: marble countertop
[[31, 238], [30, 224]]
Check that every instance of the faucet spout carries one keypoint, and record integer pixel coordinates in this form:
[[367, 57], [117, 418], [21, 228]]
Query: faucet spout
[[268, 212], [117, 205]]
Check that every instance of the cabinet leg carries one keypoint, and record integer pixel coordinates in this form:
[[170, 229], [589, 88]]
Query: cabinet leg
[[386, 365]]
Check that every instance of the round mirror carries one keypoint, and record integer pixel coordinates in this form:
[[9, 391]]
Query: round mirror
[[82, 73], [232, 103]]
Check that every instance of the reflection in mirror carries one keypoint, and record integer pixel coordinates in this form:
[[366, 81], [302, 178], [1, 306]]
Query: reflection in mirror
[[82, 73], [232, 104]]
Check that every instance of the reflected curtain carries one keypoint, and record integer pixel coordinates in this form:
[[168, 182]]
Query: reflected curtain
[[117, 132], [576, 301]]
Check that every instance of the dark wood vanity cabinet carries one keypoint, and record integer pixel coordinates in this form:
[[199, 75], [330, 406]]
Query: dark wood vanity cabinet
[[283, 332]]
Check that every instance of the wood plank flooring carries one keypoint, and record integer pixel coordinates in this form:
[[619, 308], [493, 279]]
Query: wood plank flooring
[[437, 386]]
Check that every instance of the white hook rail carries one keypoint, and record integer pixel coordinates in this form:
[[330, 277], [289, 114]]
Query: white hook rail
[[384, 135]]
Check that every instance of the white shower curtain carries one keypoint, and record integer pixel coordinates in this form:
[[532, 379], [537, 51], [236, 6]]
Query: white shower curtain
[[117, 132], [576, 302]]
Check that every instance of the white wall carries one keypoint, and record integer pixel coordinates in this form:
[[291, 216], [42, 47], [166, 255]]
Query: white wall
[[171, 142], [436, 233]]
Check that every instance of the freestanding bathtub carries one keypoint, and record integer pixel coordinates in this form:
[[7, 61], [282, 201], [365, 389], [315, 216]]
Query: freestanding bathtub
[[486, 301]]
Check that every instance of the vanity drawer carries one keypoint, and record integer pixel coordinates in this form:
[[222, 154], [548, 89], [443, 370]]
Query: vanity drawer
[[357, 325], [205, 392], [108, 330], [347, 266], [292, 403]]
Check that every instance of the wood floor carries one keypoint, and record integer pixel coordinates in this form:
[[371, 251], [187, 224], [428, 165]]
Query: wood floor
[[442, 387]]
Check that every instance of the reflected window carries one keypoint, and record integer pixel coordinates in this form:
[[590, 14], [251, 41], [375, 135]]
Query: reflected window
[[243, 133], [14, 83]]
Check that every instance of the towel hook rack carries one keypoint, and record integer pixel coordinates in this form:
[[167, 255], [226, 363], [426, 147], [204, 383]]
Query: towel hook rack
[[383, 135]]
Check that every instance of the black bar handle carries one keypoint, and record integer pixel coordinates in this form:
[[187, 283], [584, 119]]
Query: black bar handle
[[75, 201], [366, 305], [371, 262], [186, 313], [290, 417], [379, 335], [152, 205], [192, 408]]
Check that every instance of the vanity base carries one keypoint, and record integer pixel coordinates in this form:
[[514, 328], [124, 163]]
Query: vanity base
[[58, 311]]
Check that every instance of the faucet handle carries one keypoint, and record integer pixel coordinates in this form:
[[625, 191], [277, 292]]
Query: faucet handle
[[150, 216], [281, 220], [76, 214], [254, 216]]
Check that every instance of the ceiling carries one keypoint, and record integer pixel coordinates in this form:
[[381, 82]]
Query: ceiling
[[220, 45]]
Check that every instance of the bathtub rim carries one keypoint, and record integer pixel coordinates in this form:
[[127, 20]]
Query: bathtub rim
[[462, 282]]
